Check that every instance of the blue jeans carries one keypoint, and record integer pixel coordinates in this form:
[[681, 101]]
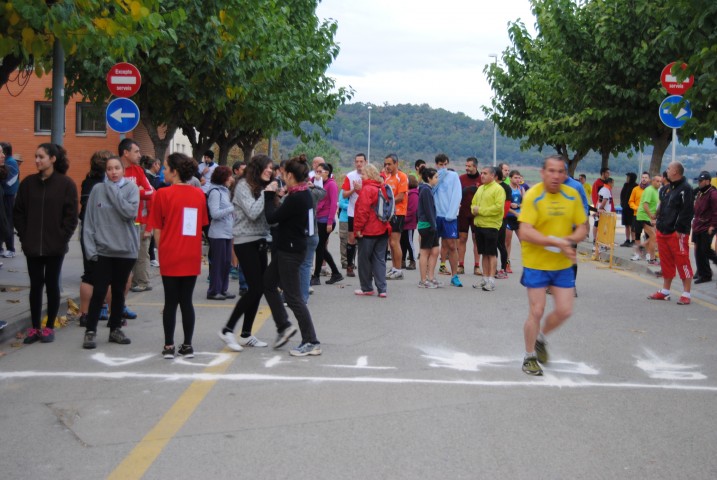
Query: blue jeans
[[305, 268]]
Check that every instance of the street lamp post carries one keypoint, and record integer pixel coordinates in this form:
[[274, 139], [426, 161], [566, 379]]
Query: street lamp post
[[368, 153], [495, 126]]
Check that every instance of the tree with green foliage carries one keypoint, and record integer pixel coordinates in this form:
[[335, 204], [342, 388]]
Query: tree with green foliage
[[589, 80], [29, 28], [318, 148]]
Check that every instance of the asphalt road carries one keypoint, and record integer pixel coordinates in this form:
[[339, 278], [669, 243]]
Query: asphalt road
[[423, 384]]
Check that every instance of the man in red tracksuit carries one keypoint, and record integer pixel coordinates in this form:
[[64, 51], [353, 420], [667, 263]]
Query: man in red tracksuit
[[674, 217]]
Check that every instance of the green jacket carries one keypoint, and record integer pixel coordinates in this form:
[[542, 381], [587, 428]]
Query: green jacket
[[490, 200]]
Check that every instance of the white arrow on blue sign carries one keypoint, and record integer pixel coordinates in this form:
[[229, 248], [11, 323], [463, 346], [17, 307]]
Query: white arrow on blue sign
[[122, 115], [670, 119]]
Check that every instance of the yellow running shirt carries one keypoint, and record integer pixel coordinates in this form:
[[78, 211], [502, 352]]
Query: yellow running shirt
[[551, 214]]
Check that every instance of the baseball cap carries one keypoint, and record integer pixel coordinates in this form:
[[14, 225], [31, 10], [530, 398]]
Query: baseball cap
[[704, 175]]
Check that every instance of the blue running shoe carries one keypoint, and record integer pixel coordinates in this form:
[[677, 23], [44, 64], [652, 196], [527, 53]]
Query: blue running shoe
[[455, 281], [129, 314], [105, 312]]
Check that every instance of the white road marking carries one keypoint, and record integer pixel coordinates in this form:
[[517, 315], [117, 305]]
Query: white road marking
[[661, 369], [273, 361], [118, 361], [361, 364], [548, 381]]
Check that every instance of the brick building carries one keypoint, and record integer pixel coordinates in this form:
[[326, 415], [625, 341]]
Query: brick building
[[25, 122]]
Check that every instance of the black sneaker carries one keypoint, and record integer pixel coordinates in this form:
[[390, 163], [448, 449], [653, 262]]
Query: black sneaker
[[168, 352], [334, 279], [186, 351], [315, 281], [117, 336], [541, 352], [89, 342], [83, 320]]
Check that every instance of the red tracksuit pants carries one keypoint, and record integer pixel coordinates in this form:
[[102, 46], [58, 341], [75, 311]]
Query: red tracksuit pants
[[674, 251]]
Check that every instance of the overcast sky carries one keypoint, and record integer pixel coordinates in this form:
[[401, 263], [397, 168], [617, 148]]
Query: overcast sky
[[421, 51]]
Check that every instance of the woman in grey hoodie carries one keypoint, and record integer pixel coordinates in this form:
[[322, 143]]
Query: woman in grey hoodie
[[251, 231], [111, 240], [220, 235]]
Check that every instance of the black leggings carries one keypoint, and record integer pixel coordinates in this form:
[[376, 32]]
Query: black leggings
[[44, 272], [407, 246], [178, 291], [108, 272], [322, 253], [502, 248], [253, 261]]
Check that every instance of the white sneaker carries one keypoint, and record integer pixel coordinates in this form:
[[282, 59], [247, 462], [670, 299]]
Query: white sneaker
[[394, 275], [154, 263], [9, 254], [636, 257], [231, 341], [252, 341]]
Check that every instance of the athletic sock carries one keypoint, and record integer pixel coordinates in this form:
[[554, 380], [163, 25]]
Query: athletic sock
[[665, 291], [686, 294], [541, 337], [529, 354]]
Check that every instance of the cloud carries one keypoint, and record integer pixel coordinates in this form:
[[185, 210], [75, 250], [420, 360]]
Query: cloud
[[421, 51]]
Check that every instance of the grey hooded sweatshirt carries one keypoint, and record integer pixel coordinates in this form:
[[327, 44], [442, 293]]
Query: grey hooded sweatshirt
[[108, 229]]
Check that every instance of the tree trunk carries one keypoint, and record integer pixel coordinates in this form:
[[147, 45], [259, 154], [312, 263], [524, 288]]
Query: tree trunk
[[572, 162], [225, 146], [247, 141], [160, 144], [605, 155], [660, 142]]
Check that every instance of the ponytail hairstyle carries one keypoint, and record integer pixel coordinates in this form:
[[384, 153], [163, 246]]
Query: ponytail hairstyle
[[427, 173], [182, 164], [328, 167], [252, 174], [298, 167], [53, 150]]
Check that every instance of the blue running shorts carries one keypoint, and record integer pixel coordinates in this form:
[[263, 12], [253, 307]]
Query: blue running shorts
[[533, 278], [446, 228]]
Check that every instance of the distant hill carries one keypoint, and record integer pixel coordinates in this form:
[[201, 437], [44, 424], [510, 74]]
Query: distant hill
[[419, 131]]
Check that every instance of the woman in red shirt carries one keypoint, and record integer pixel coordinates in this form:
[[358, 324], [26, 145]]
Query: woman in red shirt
[[178, 214]]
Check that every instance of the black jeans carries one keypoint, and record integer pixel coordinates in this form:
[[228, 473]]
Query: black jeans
[[502, 248], [44, 272], [703, 254], [322, 252], [253, 260], [178, 291], [113, 273], [407, 246], [284, 270]]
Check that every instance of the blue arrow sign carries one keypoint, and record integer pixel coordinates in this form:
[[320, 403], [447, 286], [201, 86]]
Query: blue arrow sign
[[675, 120], [122, 115]]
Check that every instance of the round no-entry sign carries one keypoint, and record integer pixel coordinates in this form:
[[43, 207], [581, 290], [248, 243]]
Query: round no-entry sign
[[124, 80], [669, 81]]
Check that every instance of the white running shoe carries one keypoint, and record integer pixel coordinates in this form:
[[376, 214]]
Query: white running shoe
[[231, 340], [251, 341], [636, 257]]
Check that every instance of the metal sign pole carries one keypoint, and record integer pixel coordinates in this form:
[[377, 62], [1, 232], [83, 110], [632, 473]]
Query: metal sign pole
[[674, 141]]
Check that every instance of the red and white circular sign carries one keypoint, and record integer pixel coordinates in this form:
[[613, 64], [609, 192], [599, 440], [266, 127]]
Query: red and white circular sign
[[669, 81], [124, 80]]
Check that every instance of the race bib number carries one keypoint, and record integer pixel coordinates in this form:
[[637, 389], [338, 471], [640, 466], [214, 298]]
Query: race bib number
[[189, 222]]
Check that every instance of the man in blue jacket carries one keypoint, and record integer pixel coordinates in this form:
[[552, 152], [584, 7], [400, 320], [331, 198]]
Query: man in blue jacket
[[9, 187], [447, 196]]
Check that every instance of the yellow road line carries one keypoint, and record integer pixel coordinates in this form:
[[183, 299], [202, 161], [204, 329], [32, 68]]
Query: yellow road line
[[203, 305], [143, 455]]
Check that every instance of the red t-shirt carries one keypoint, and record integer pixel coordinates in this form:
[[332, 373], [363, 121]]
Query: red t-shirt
[[180, 212]]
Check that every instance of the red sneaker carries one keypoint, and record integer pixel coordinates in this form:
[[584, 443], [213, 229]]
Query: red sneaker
[[362, 293], [508, 269], [684, 301], [658, 295]]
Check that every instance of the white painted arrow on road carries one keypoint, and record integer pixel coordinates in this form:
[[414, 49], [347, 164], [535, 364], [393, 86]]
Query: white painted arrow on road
[[119, 361], [119, 116]]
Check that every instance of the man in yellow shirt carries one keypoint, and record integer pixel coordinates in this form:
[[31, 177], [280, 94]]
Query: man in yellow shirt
[[487, 208], [588, 188], [553, 217]]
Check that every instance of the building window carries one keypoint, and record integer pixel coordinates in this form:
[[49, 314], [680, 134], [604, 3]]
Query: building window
[[43, 117], [91, 119]]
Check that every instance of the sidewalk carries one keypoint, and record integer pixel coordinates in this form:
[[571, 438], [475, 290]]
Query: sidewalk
[[15, 287], [621, 261]]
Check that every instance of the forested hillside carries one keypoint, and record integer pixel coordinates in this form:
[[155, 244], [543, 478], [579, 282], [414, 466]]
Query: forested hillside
[[419, 131]]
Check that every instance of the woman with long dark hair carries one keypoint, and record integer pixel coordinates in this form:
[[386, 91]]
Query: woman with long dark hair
[[326, 221], [45, 218], [111, 244], [178, 214], [220, 233], [250, 232], [293, 227]]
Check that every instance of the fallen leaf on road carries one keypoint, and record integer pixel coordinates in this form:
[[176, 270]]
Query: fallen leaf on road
[[12, 300]]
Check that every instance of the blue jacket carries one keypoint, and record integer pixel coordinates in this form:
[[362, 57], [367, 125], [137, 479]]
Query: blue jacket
[[447, 194], [12, 182], [571, 182]]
